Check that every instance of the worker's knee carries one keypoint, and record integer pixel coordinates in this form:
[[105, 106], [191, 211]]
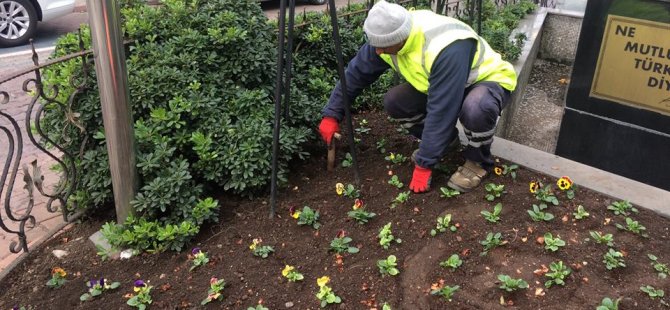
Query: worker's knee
[[481, 109]]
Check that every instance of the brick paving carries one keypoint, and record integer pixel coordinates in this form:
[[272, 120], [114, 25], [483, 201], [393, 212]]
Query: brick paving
[[17, 106]]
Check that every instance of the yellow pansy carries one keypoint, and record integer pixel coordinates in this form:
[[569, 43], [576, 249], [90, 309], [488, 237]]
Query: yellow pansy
[[498, 170], [358, 204], [321, 282], [287, 270], [339, 188], [564, 183], [295, 214], [254, 243], [534, 186]]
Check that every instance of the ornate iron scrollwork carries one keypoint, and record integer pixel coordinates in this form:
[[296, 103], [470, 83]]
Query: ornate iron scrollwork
[[41, 102]]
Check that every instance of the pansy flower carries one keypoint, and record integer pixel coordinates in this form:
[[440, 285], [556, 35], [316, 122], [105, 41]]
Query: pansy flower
[[564, 183], [287, 270], [139, 285], [195, 251], [534, 186], [59, 271], [498, 170], [339, 189], [358, 204], [255, 243], [213, 280], [341, 233], [321, 282]]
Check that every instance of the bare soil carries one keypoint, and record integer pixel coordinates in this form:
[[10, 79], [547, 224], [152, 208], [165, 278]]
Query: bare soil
[[250, 279]]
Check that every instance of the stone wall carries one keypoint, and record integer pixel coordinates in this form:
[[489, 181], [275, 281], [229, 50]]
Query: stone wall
[[560, 36]]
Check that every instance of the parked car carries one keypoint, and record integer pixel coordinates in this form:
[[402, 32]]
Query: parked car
[[18, 18]]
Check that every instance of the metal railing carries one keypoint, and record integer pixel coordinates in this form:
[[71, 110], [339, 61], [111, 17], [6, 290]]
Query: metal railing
[[32, 101]]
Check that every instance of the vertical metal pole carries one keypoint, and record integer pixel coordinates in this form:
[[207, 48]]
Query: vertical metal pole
[[110, 66], [278, 100], [343, 88], [289, 58]]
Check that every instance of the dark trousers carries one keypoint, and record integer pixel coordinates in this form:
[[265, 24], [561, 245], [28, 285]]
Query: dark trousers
[[482, 104]]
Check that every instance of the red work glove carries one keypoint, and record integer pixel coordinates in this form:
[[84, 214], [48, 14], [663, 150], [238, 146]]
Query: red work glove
[[327, 128], [420, 179]]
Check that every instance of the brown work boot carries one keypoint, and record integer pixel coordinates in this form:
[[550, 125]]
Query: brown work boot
[[467, 177]]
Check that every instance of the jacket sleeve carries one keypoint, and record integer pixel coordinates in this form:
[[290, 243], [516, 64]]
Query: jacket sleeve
[[363, 70], [447, 80]]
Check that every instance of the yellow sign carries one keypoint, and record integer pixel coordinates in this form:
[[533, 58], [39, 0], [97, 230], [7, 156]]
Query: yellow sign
[[634, 64]]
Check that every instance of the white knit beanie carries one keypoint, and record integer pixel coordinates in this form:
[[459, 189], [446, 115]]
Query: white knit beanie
[[387, 24]]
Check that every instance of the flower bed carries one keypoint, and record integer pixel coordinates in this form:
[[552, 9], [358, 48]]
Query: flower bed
[[361, 272]]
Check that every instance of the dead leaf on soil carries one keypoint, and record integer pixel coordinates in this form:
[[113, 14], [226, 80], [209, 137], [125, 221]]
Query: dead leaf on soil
[[502, 300], [416, 210], [565, 218], [540, 240], [529, 229], [539, 292], [541, 271], [524, 239], [128, 296], [459, 239], [564, 81], [465, 252], [438, 285], [165, 287], [607, 221], [585, 279]]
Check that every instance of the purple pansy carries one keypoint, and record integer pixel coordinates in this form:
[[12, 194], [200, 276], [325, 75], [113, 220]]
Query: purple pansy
[[195, 251], [140, 283]]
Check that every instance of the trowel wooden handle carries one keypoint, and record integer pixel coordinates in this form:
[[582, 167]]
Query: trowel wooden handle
[[331, 151]]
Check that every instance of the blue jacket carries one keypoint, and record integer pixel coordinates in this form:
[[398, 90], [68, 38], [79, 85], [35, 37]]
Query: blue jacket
[[447, 80]]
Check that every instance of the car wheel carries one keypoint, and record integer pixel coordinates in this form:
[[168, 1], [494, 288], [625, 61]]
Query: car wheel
[[317, 1], [18, 22]]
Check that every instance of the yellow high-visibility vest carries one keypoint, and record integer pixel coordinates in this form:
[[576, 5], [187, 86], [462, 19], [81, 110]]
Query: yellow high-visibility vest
[[430, 34]]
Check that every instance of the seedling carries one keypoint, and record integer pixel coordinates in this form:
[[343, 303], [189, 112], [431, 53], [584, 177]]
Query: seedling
[[396, 182], [347, 161], [57, 278], [97, 287], [510, 284], [609, 304], [388, 266], [622, 207], [215, 288], [557, 274], [538, 215], [291, 274], [580, 213], [443, 223], [381, 145], [491, 242], [326, 294], [453, 262], [258, 307], [308, 216], [142, 297], [552, 243], [360, 215], [400, 199], [386, 306], [662, 269], [341, 244], [494, 216], [386, 236], [633, 226], [199, 258], [613, 259], [261, 251], [351, 191], [396, 158], [363, 129], [652, 292], [507, 170], [446, 291], [494, 191], [546, 195], [602, 239], [448, 192], [565, 184]]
